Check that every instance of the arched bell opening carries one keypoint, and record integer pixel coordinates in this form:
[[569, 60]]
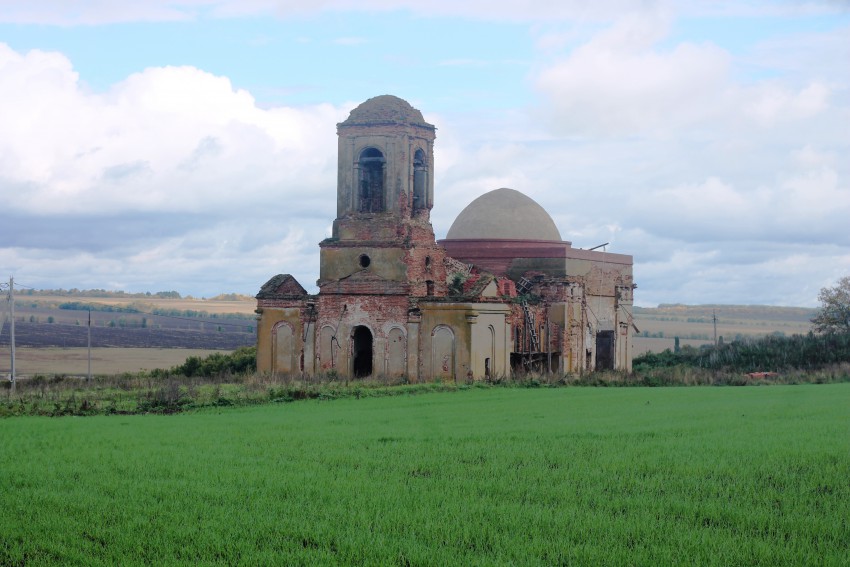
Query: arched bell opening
[[371, 166], [420, 181]]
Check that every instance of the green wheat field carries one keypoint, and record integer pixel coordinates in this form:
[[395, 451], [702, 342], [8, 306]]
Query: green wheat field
[[484, 476]]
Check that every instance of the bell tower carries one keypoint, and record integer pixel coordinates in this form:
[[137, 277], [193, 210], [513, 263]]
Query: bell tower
[[386, 161], [385, 192]]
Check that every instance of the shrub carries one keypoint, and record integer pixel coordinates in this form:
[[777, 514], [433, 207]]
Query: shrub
[[240, 361]]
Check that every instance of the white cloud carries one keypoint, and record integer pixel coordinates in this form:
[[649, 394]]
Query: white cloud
[[617, 83], [769, 103], [165, 139], [621, 82], [808, 156]]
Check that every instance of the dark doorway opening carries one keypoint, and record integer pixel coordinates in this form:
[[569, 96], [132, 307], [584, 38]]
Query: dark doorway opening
[[361, 346], [605, 350]]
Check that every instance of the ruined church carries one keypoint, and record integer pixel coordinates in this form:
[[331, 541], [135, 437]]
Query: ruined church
[[502, 293]]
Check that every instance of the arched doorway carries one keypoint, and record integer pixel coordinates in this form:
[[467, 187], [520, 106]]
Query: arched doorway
[[361, 351]]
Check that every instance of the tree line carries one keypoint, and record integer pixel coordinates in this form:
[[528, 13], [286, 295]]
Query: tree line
[[190, 313], [771, 353], [74, 292], [828, 344]]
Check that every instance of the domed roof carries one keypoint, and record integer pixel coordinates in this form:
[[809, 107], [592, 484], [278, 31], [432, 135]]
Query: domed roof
[[504, 214], [385, 109]]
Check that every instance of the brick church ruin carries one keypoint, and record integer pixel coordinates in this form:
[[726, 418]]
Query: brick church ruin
[[502, 293]]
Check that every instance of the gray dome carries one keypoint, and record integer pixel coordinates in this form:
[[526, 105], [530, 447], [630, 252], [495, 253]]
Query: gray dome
[[385, 109], [504, 214]]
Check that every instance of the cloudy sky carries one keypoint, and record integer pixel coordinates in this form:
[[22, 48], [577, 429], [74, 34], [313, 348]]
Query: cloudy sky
[[191, 145]]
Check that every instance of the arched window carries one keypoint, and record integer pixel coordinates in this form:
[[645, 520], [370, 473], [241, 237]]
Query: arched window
[[371, 181], [420, 181]]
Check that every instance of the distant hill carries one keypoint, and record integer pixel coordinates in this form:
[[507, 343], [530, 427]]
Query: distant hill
[[743, 312], [74, 292], [694, 324], [106, 294], [231, 297]]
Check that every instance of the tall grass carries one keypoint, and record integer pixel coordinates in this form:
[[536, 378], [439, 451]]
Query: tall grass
[[168, 393], [701, 476]]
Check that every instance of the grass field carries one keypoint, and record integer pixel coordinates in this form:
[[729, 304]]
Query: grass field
[[485, 476]]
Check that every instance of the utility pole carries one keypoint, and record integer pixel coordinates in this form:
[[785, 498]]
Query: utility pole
[[89, 375], [714, 318], [12, 328]]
